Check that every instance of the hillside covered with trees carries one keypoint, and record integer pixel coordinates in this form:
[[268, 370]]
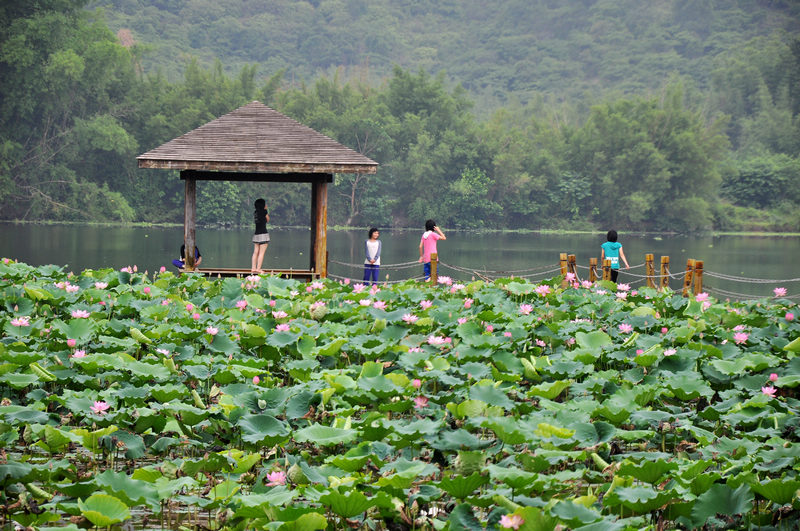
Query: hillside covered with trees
[[679, 116]]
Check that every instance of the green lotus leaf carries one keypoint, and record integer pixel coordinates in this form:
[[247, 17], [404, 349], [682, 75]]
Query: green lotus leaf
[[253, 505], [346, 505], [325, 435], [461, 486], [593, 340], [55, 440], [594, 433], [282, 339], [330, 349], [264, 430], [462, 518], [104, 510], [722, 499], [513, 477], [780, 491], [222, 343], [14, 470], [468, 409], [794, 346], [639, 499], [310, 521], [490, 395], [549, 390], [574, 514], [647, 471], [224, 490], [130, 491], [19, 380], [688, 386], [507, 430], [544, 429]]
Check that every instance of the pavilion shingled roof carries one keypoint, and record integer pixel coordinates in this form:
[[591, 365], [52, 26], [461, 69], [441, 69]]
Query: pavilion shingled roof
[[256, 138]]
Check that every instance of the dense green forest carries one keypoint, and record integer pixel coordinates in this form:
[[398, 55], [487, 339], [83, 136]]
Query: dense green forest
[[678, 115]]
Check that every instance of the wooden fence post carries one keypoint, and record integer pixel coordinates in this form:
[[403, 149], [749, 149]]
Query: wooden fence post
[[592, 269], [687, 279], [664, 272], [562, 262], [435, 268], [650, 270], [572, 266], [698, 276], [606, 269]]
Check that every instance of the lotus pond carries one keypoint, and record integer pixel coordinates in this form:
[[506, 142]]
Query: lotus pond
[[263, 403]]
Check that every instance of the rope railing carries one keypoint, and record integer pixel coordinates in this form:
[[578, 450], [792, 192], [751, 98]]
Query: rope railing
[[692, 276]]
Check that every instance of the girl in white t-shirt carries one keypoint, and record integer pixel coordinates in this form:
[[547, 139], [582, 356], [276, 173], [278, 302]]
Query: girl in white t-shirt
[[372, 263]]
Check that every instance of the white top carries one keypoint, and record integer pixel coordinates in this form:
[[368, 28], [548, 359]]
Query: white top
[[372, 249]]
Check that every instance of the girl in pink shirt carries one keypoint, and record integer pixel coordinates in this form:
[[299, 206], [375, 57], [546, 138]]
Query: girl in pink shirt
[[427, 245]]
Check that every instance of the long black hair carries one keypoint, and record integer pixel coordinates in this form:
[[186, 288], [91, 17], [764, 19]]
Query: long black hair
[[372, 231], [261, 206]]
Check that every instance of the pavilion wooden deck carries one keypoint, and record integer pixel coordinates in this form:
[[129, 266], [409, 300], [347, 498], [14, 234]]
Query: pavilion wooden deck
[[303, 275]]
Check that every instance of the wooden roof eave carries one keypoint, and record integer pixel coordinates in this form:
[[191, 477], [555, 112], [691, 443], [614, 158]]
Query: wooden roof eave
[[256, 167]]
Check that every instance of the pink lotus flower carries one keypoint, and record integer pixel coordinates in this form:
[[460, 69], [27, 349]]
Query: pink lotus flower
[[162, 269], [773, 377], [101, 285], [779, 292], [623, 287], [358, 288], [542, 290], [468, 303], [276, 478], [586, 283], [410, 318], [71, 343], [163, 351], [700, 297], [100, 407], [365, 302], [420, 402], [80, 314], [189, 307], [639, 352], [346, 282], [425, 304], [789, 316], [625, 328], [212, 330], [309, 289], [415, 349], [489, 328], [511, 521], [317, 285], [601, 292], [165, 302], [445, 280], [21, 321], [669, 352], [241, 304], [294, 293], [272, 303], [507, 334], [146, 290], [456, 287], [282, 328], [664, 329], [279, 314], [740, 338], [461, 320], [72, 288], [525, 309], [79, 354], [379, 305], [256, 380], [706, 305], [196, 316], [540, 343], [769, 391], [622, 295], [374, 289], [416, 383], [570, 277], [435, 340]]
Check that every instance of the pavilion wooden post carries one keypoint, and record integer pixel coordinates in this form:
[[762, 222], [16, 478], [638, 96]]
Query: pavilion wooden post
[[664, 272], [319, 228], [687, 279], [650, 270], [592, 269], [562, 260], [606, 269], [572, 266], [435, 268], [189, 209], [698, 276]]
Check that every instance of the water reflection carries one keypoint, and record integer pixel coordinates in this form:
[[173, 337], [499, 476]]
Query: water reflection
[[91, 247]]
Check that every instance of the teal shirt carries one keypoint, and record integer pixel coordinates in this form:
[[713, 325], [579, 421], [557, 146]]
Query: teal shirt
[[612, 253]]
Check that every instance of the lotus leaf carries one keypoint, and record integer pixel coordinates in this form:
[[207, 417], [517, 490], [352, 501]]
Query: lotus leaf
[[324, 435], [263, 430], [104, 510]]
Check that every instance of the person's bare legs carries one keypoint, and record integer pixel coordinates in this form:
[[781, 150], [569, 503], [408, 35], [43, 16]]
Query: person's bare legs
[[262, 250], [254, 259]]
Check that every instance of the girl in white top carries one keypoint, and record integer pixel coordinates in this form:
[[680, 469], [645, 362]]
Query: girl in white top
[[372, 263]]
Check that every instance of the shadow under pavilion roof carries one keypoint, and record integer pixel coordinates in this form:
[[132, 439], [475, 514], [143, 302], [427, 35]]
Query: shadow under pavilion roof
[[256, 139]]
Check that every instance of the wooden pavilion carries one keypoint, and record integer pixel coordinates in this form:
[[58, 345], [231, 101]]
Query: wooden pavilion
[[257, 143]]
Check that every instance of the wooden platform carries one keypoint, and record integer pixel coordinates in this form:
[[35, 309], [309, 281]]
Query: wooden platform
[[303, 275]]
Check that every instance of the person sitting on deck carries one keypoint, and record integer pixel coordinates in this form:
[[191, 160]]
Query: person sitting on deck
[[179, 263]]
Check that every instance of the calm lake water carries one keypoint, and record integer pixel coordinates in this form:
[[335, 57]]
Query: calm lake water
[[92, 247]]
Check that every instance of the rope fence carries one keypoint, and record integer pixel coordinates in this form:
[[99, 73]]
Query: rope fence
[[695, 279]]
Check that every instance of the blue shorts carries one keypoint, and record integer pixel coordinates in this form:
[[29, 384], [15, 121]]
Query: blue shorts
[[426, 269]]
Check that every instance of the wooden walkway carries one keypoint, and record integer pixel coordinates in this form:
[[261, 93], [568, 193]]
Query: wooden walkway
[[303, 275]]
